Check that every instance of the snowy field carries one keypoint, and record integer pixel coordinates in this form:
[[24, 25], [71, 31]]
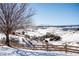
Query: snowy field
[[7, 51], [70, 36]]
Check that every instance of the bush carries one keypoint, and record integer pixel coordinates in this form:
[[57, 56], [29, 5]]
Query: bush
[[77, 28], [45, 36], [13, 33], [52, 35], [23, 33], [57, 38], [27, 36], [34, 38], [46, 41], [48, 35], [51, 39]]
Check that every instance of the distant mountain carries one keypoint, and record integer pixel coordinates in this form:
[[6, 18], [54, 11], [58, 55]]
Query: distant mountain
[[63, 26], [58, 26]]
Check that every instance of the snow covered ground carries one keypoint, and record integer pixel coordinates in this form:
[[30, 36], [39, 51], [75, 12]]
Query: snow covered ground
[[8, 51], [66, 36]]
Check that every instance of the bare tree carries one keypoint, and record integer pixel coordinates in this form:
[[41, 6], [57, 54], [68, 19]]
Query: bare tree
[[14, 16]]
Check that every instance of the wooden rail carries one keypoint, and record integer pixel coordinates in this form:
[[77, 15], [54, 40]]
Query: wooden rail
[[66, 48]]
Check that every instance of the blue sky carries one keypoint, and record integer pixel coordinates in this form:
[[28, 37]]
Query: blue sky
[[56, 14]]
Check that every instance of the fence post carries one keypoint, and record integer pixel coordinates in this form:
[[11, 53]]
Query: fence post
[[65, 47], [46, 44], [33, 47]]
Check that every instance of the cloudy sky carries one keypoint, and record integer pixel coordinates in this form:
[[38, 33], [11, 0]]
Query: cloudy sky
[[56, 14]]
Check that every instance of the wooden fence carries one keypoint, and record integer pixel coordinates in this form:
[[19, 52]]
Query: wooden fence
[[65, 48]]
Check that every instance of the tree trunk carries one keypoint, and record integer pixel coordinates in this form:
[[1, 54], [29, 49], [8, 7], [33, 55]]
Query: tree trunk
[[7, 40]]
